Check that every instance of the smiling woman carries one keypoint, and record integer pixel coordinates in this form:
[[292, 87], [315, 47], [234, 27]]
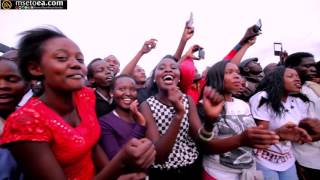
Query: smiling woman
[[54, 136]]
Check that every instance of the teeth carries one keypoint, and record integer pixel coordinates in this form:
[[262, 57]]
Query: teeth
[[168, 78], [76, 76], [4, 96]]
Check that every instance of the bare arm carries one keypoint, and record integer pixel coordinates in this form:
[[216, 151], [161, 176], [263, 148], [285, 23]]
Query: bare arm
[[37, 160], [186, 35], [164, 143], [236, 59], [146, 48]]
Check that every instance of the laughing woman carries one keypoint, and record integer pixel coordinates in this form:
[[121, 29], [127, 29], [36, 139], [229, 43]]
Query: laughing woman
[[174, 126], [54, 136]]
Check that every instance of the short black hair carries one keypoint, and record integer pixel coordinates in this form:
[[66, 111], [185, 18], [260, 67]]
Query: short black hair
[[294, 60], [89, 67], [118, 77], [30, 48]]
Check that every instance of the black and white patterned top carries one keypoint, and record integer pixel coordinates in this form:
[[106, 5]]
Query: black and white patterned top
[[184, 151]]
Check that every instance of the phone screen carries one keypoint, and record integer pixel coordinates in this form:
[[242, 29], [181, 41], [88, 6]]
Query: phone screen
[[277, 49]]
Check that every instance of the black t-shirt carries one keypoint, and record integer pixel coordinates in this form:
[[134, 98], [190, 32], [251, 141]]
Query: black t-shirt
[[102, 106]]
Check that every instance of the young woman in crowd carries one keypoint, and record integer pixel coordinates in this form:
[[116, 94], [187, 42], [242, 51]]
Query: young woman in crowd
[[12, 89], [277, 104], [233, 160], [125, 122], [54, 136], [174, 126]]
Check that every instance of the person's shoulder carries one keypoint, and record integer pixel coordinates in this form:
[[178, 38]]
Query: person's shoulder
[[85, 92], [258, 96]]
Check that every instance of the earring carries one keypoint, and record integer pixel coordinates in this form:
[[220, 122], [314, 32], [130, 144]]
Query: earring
[[37, 88]]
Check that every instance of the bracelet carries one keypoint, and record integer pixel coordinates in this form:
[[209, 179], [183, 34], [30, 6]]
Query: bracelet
[[204, 138], [205, 132]]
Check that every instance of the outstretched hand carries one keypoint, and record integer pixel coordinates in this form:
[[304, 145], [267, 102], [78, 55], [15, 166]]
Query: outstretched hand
[[311, 125], [259, 137], [148, 46], [292, 132], [213, 103], [187, 32], [138, 117], [138, 153]]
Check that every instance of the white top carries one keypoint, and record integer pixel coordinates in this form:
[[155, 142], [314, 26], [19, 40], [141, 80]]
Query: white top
[[230, 165], [308, 155], [280, 156]]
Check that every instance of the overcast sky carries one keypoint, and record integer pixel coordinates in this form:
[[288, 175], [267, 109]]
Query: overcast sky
[[120, 27]]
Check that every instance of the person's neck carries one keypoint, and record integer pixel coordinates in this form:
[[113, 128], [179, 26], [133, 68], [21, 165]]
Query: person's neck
[[140, 85], [104, 91], [61, 102], [228, 97], [162, 96], [285, 97], [124, 114]]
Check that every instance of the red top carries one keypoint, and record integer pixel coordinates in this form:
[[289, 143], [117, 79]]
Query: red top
[[72, 146]]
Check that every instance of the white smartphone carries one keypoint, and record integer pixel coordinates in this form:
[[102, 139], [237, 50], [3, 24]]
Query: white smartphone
[[190, 21]]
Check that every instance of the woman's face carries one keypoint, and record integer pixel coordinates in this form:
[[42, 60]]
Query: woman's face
[[232, 78], [102, 76], [291, 80], [12, 85], [167, 74], [124, 92], [62, 65]]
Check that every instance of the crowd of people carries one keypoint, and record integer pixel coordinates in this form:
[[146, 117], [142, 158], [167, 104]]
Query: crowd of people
[[61, 119]]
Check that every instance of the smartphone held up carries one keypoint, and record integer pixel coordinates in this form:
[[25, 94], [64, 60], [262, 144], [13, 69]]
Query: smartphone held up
[[190, 21]]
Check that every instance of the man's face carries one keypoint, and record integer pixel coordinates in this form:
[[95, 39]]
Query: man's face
[[254, 67], [113, 64], [307, 68]]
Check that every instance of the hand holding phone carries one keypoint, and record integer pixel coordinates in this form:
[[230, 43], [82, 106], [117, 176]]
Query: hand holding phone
[[277, 46], [257, 27]]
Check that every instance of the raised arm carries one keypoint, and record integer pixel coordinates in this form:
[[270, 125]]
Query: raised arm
[[249, 38], [163, 143], [187, 68], [186, 35], [146, 48]]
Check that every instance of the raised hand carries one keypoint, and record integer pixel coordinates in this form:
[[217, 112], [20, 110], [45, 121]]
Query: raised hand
[[187, 32], [138, 153], [148, 46], [259, 137], [138, 117], [292, 132], [213, 103], [250, 33], [191, 50], [175, 97]]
